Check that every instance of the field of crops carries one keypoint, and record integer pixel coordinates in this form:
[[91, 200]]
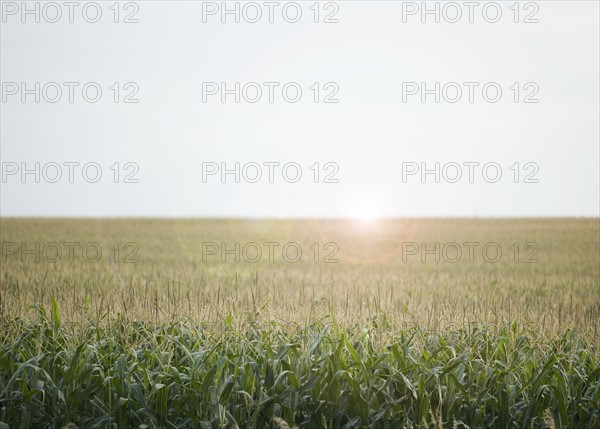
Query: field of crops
[[402, 323]]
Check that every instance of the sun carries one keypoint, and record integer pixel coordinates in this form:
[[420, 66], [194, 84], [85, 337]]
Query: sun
[[366, 215]]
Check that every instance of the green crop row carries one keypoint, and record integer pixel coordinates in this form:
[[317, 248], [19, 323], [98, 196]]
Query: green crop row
[[176, 375]]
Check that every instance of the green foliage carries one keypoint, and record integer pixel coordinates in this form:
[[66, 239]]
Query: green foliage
[[175, 375]]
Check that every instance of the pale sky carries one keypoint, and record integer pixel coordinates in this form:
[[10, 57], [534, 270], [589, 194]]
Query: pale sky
[[368, 136]]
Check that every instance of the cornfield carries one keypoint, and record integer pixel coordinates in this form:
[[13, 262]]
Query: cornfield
[[381, 335]]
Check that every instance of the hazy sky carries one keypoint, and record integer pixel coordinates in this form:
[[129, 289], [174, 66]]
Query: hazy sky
[[367, 61]]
